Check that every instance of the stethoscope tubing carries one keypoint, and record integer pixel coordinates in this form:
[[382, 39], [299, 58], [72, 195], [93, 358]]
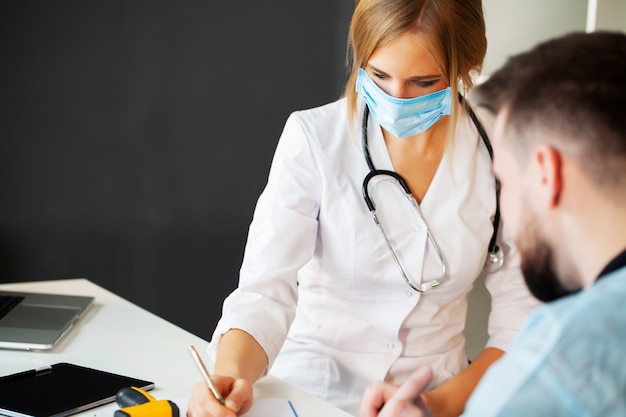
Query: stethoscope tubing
[[493, 246], [424, 286], [495, 256]]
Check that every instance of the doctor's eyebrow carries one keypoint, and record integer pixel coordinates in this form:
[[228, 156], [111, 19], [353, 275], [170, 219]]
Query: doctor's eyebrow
[[430, 77]]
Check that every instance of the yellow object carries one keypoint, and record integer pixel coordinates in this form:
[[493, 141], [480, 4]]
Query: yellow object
[[144, 393], [155, 408]]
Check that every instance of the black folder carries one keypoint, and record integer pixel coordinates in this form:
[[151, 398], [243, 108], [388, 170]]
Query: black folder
[[61, 390]]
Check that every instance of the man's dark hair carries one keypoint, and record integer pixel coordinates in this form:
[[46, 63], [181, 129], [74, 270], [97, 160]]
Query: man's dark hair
[[569, 92]]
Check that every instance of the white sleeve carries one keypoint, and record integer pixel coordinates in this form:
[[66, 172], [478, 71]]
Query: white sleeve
[[511, 301], [281, 240]]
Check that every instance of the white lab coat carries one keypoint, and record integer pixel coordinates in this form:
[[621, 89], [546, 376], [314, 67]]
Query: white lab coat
[[318, 287]]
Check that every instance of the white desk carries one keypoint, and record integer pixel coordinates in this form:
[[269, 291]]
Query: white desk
[[118, 336]]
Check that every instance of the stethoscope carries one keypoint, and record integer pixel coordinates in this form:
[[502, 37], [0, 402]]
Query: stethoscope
[[495, 257]]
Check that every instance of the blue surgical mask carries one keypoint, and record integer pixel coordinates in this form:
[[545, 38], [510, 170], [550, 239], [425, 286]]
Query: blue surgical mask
[[403, 117]]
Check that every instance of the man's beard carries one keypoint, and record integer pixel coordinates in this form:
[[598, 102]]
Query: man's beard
[[538, 263]]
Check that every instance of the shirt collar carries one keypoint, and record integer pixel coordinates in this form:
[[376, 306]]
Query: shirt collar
[[618, 262]]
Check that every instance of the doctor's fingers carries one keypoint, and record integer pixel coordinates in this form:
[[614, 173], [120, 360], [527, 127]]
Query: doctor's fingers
[[203, 404], [240, 396], [237, 395], [374, 397]]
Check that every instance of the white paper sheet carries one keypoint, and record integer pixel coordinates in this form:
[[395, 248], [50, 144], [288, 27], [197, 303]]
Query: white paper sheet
[[261, 407], [275, 407]]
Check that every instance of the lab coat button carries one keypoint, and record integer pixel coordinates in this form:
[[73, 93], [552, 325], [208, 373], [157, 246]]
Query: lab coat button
[[390, 346], [409, 293], [417, 228]]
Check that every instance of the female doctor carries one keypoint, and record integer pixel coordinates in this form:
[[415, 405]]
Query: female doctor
[[328, 302]]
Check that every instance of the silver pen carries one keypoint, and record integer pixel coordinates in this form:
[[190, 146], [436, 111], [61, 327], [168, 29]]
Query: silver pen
[[205, 374]]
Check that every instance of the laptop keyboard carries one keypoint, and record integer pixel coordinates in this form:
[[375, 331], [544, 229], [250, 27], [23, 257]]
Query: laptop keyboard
[[8, 303]]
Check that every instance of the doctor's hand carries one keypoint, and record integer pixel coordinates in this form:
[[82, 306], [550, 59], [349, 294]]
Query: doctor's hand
[[387, 400], [237, 395]]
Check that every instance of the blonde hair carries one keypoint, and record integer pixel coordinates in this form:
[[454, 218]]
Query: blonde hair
[[455, 29]]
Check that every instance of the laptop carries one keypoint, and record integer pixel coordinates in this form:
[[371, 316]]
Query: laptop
[[37, 321]]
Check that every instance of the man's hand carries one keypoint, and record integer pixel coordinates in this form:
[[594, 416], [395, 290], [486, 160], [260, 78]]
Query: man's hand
[[387, 400]]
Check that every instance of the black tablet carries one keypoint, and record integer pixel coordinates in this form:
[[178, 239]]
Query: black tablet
[[61, 390]]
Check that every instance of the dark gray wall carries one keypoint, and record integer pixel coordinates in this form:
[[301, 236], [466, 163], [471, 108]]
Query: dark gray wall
[[136, 136]]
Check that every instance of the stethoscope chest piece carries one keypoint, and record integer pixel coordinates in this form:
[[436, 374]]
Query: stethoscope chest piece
[[495, 259]]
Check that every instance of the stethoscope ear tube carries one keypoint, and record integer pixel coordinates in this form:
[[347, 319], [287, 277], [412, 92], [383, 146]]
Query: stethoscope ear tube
[[494, 249], [366, 151]]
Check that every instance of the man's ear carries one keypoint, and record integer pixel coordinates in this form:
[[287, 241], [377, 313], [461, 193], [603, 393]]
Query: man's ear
[[549, 163]]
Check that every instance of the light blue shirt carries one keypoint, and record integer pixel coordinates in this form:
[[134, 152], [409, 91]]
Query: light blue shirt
[[569, 360]]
